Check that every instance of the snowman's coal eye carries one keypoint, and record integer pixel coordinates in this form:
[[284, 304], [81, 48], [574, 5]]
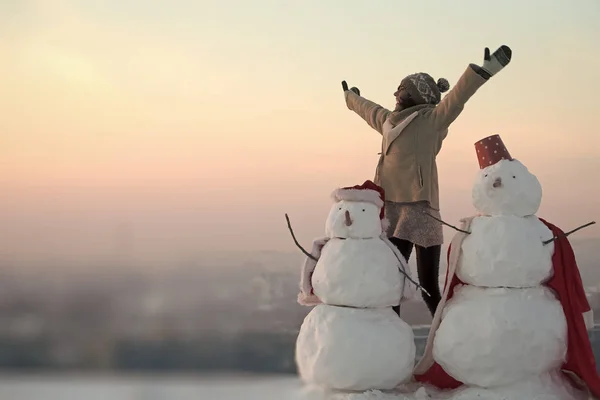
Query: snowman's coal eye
[[485, 176], [363, 210], [514, 177], [340, 208]]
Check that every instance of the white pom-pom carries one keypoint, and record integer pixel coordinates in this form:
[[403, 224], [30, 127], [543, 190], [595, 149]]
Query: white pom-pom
[[443, 85]]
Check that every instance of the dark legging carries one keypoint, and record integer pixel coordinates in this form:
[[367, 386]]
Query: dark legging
[[428, 267]]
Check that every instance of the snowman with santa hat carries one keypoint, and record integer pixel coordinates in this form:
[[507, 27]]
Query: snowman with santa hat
[[353, 340], [511, 321]]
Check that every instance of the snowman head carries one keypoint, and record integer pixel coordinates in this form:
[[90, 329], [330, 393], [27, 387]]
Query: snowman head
[[357, 212], [504, 186]]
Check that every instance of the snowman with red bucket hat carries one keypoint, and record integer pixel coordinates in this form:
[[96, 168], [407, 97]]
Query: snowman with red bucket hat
[[511, 323]]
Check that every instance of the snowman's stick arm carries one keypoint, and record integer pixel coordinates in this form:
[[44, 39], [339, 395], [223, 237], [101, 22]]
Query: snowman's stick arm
[[568, 233], [402, 271], [447, 224], [421, 288], [289, 224], [413, 281]]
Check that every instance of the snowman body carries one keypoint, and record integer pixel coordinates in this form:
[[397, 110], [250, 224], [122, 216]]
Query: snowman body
[[359, 273], [354, 340], [503, 326], [357, 349], [506, 251], [491, 337]]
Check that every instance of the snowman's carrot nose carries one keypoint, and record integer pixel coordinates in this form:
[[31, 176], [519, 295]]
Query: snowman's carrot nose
[[348, 219]]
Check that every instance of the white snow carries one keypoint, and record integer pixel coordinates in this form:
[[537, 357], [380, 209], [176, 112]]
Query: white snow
[[506, 251], [177, 387], [358, 273], [519, 194], [314, 393], [497, 336], [548, 386], [355, 349], [77, 386], [363, 218]]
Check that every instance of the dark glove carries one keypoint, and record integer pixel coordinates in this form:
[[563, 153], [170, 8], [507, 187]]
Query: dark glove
[[354, 89], [492, 64]]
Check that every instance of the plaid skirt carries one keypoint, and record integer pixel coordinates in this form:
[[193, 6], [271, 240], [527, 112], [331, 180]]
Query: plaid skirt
[[410, 222]]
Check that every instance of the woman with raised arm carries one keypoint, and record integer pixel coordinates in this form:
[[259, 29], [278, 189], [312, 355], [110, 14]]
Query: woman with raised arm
[[412, 136]]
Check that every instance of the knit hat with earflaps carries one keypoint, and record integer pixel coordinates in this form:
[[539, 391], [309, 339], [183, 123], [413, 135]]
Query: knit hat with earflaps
[[423, 89]]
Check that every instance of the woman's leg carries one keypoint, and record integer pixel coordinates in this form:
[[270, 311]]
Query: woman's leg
[[405, 248], [428, 267]]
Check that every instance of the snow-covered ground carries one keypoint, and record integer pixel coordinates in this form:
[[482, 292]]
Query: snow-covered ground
[[90, 387], [176, 387]]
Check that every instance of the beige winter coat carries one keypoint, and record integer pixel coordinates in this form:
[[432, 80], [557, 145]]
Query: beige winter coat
[[412, 138]]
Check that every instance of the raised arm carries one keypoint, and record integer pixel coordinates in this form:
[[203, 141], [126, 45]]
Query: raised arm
[[374, 114], [454, 102], [471, 80]]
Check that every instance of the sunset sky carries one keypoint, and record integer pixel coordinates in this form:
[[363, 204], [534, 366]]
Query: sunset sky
[[156, 130]]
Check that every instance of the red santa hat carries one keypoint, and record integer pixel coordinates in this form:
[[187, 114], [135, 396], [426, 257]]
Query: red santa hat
[[491, 150], [367, 192]]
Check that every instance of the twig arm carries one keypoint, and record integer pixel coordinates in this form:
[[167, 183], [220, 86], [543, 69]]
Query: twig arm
[[447, 224], [568, 233], [306, 253]]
